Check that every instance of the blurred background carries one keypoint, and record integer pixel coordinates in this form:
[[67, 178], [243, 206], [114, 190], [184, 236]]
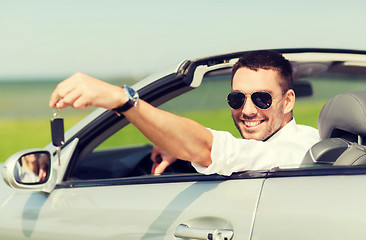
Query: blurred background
[[43, 42]]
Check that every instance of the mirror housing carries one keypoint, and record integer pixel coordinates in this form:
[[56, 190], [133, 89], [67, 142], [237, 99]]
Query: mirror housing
[[302, 89], [28, 169]]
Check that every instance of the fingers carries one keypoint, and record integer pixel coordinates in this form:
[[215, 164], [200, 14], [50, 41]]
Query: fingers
[[161, 160], [156, 158], [54, 99], [70, 91], [80, 91], [71, 99], [75, 100], [61, 93], [159, 168], [42, 175], [153, 169], [155, 153]]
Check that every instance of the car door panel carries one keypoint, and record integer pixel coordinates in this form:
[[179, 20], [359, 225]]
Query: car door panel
[[314, 207], [134, 211]]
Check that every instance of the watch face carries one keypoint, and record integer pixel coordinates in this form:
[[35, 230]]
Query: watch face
[[132, 99], [132, 93]]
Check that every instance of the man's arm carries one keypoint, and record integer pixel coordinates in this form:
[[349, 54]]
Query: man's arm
[[179, 136]]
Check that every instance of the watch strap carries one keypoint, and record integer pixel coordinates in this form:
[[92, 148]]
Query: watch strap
[[124, 108], [129, 104]]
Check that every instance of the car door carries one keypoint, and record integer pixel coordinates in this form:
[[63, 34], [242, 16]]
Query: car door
[[141, 208], [313, 204]]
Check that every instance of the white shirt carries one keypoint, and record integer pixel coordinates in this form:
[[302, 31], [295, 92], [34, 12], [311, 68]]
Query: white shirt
[[287, 147]]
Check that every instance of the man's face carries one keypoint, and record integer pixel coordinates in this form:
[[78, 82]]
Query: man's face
[[251, 121]]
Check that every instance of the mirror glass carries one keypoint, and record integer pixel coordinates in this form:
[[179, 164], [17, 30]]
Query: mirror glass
[[33, 168]]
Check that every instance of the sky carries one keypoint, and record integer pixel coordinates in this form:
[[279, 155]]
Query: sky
[[112, 38]]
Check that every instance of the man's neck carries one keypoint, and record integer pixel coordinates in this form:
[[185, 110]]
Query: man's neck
[[285, 123]]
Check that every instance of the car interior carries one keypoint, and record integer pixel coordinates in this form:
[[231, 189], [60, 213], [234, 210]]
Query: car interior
[[342, 129], [124, 162]]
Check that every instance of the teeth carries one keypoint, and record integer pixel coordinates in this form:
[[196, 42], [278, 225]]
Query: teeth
[[252, 124]]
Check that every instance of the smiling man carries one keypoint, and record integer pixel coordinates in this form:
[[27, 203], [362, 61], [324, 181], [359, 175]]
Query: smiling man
[[262, 97], [262, 100]]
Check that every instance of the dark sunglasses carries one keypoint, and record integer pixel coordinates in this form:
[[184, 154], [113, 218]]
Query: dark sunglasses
[[261, 99]]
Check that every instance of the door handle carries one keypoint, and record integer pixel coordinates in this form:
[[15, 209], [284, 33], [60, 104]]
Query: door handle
[[184, 231]]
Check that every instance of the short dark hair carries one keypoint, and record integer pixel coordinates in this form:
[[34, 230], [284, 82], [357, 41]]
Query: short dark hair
[[268, 60]]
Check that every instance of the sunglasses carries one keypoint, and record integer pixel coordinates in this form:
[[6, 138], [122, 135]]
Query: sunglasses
[[261, 99]]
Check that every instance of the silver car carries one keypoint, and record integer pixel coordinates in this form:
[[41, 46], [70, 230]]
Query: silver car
[[102, 187]]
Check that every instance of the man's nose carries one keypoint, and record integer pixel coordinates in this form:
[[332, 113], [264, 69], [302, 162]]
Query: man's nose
[[249, 107]]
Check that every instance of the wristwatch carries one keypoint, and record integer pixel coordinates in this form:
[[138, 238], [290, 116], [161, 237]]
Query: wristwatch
[[132, 100]]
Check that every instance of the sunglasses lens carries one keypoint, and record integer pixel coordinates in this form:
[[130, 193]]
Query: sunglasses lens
[[236, 100], [262, 100]]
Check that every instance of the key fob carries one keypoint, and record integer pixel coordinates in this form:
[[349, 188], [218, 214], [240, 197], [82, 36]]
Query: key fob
[[57, 132]]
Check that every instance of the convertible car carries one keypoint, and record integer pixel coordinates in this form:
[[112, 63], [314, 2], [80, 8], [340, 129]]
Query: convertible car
[[102, 187]]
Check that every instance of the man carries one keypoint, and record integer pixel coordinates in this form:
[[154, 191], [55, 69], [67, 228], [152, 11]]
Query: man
[[262, 100]]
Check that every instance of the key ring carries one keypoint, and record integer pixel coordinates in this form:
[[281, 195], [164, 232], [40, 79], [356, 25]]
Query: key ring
[[56, 111]]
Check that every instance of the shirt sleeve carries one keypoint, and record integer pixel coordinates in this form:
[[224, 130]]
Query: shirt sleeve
[[230, 154]]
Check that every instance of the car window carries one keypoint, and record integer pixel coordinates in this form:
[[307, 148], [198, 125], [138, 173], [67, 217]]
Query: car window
[[207, 105]]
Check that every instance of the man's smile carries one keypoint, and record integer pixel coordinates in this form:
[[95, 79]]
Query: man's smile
[[252, 123]]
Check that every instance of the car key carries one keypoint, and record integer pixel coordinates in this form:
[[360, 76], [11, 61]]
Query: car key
[[57, 132]]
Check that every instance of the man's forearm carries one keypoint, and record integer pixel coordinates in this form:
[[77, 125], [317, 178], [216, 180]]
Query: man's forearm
[[179, 136]]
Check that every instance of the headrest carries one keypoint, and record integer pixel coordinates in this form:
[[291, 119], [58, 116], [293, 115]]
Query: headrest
[[344, 116]]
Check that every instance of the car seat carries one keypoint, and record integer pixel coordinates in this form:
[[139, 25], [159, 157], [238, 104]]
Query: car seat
[[342, 129]]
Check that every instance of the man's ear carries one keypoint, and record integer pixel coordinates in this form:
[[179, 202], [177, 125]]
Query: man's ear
[[289, 101]]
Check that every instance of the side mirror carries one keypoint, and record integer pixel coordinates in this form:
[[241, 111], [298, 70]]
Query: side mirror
[[32, 168], [28, 169]]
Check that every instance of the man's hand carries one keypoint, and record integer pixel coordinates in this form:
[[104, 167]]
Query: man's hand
[[161, 160], [43, 163], [80, 91]]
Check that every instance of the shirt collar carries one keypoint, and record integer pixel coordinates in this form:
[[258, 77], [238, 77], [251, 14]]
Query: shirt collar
[[287, 130]]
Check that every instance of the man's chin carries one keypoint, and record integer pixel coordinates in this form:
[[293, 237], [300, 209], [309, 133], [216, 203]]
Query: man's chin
[[252, 133], [257, 135], [254, 136]]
